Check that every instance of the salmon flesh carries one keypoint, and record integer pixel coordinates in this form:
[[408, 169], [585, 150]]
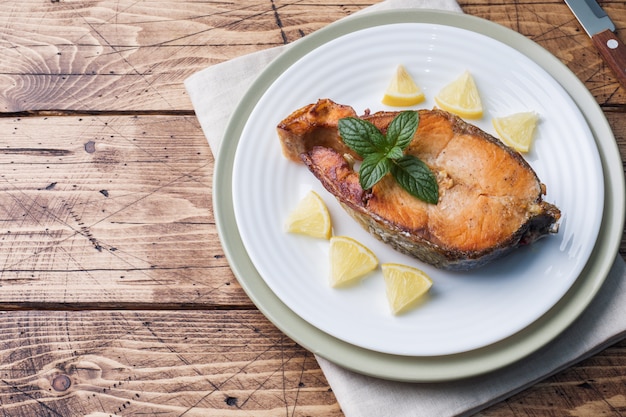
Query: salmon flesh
[[490, 199]]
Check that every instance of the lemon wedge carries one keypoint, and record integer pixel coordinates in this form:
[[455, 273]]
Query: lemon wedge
[[461, 97], [402, 90], [310, 217], [405, 285], [517, 130], [349, 261]]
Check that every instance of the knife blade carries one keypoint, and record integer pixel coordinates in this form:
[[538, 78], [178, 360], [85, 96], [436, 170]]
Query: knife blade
[[601, 30]]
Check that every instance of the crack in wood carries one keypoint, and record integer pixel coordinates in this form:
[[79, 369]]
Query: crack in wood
[[279, 23], [35, 151]]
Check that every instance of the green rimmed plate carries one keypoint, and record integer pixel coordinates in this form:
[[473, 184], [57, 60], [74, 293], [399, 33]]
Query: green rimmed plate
[[422, 368]]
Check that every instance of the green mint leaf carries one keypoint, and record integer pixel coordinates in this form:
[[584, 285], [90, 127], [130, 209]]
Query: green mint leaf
[[373, 168], [402, 129], [416, 178], [361, 136], [395, 153], [385, 153]]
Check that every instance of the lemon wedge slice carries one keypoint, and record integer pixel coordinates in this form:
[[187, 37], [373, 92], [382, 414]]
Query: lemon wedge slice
[[349, 261], [461, 97], [517, 130], [402, 90], [310, 217], [405, 285]]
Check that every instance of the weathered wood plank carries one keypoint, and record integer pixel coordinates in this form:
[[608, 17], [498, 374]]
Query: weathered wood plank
[[153, 363], [219, 363], [99, 56], [109, 210], [107, 55]]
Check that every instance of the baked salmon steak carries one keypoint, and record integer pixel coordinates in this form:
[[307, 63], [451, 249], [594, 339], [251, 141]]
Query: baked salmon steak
[[490, 199]]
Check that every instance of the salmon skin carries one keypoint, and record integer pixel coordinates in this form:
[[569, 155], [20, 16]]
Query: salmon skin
[[490, 199]]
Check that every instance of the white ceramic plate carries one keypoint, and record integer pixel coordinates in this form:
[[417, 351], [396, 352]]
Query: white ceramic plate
[[465, 311]]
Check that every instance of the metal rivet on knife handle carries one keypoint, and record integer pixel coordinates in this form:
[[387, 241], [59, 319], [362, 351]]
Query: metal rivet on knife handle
[[613, 50]]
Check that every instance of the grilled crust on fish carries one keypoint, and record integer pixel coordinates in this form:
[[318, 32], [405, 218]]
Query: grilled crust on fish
[[490, 199]]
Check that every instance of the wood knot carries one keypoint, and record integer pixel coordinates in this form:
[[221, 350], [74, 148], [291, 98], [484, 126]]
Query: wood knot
[[90, 147], [61, 383]]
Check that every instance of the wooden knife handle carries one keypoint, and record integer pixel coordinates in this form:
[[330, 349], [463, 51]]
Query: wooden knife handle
[[613, 50]]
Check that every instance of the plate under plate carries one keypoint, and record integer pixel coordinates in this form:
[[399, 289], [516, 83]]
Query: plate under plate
[[424, 368]]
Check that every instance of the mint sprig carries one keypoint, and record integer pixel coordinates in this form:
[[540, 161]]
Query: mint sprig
[[383, 154]]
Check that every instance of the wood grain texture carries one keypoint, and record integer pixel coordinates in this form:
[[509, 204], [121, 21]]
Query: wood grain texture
[[110, 55], [219, 363], [123, 55], [110, 211], [115, 295], [215, 363]]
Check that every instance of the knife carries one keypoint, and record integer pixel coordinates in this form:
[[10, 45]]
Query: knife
[[601, 30]]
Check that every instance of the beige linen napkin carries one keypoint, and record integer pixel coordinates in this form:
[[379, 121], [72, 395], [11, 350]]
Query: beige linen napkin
[[215, 92]]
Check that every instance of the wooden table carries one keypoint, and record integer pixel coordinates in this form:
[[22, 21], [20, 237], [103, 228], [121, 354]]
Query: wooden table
[[115, 295]]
